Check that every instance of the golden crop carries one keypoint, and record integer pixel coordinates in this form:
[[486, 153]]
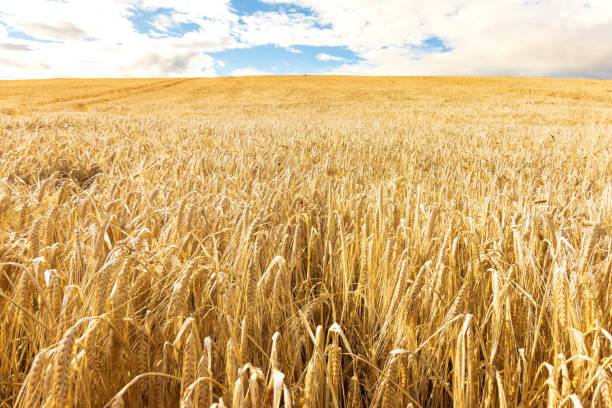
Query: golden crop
[[306, 241]]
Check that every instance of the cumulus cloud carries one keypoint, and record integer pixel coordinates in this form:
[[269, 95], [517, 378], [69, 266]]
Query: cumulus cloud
[[189, 9], [327, 57], [14, 47], [68, 20], [513, 37], [59, 31], [171, 64], [14, 64], [89, 38], [284, 30]]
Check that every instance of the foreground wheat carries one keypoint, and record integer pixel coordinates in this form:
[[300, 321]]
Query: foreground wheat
[[358, 258]]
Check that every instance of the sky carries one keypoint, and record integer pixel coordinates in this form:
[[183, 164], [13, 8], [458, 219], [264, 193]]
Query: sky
[[195, 38]]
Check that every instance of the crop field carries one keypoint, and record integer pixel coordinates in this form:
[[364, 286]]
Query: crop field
[[306, 242]]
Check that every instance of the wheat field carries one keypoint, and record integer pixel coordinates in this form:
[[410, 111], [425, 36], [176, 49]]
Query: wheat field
[[306, 242]]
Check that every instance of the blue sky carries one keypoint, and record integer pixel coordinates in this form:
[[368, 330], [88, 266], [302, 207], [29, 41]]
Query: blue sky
[[248, 7], [297, 60], [172, 38]]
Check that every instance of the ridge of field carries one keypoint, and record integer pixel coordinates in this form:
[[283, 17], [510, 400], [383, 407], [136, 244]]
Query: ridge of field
[[515, 97], [306, 241]]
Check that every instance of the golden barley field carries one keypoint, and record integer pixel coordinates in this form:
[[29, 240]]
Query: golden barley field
[[306, 242]]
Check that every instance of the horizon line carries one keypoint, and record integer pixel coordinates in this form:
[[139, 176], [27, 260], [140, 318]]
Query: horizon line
[[264, 75]]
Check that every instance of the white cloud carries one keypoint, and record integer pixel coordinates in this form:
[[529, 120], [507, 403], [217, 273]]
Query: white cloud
[[188, 63], [248, 71], [516, 37], [91, 39], [190, 9], [284, 30], [72, 20], [326, 57], [294, 50]]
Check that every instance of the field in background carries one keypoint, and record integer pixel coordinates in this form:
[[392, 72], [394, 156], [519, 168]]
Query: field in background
[[314, 241]]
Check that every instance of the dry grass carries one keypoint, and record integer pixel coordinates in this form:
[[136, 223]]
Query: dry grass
[[305, 241]]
